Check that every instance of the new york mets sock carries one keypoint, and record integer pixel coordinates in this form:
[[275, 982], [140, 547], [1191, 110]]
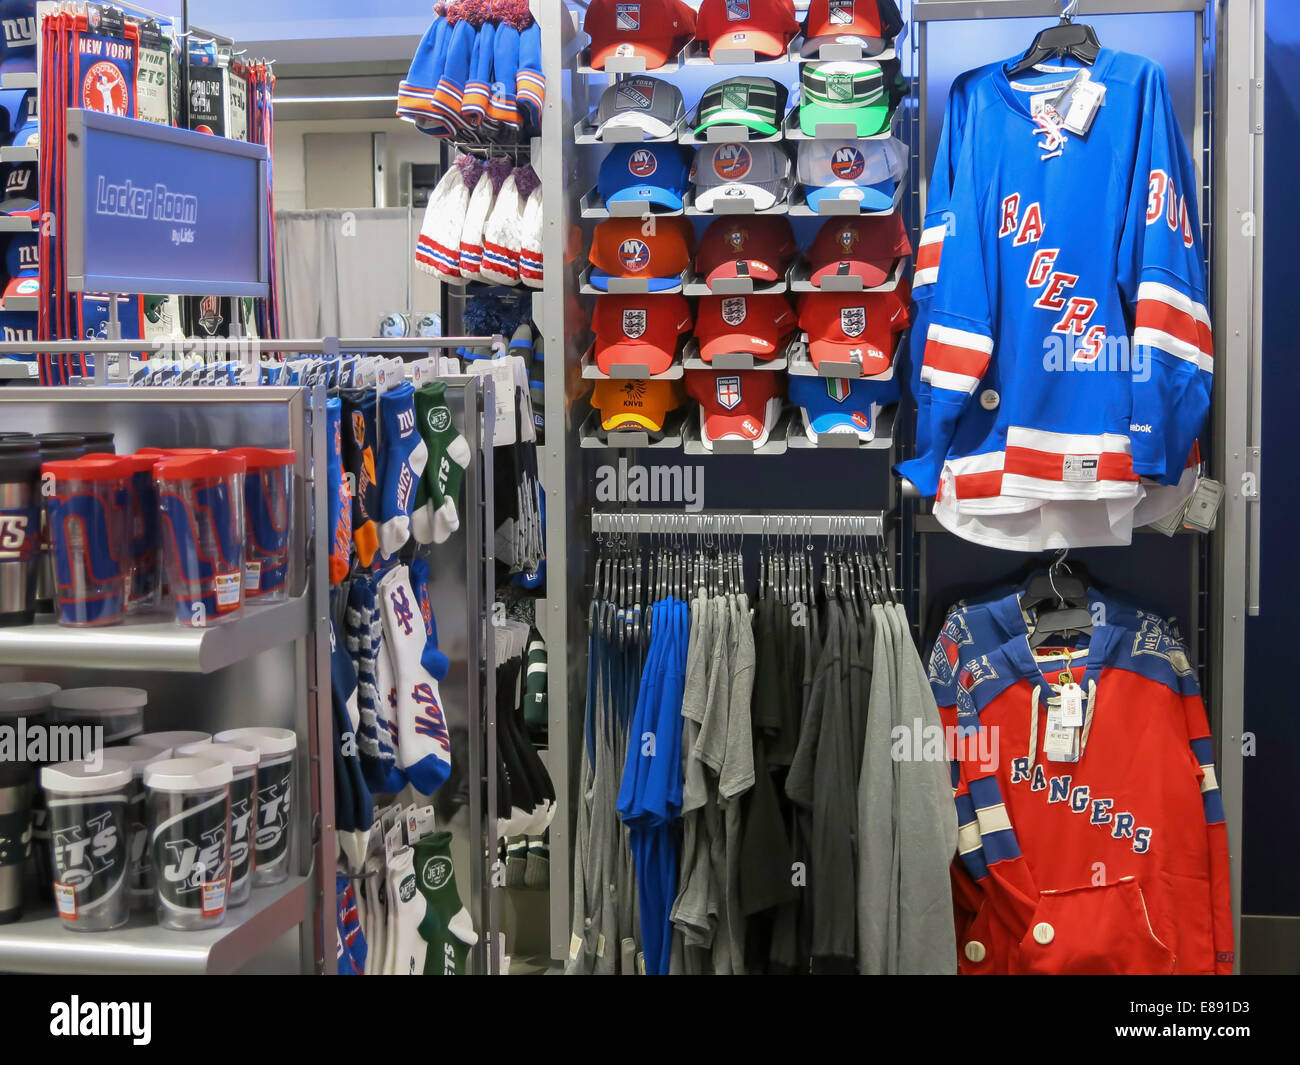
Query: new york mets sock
[[434, 660], [402, 460], [423, 745]]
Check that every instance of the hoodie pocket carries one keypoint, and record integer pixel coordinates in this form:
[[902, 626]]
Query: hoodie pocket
[[1103, 930]]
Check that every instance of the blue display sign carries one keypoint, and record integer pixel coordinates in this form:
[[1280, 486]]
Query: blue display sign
[[160, 210]]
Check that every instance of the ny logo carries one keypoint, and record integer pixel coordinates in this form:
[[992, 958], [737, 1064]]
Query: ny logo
[[402, 609]]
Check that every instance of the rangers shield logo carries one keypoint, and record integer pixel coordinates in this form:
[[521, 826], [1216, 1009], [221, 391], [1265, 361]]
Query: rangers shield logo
[[841, 12], [731, 162], [635, 97], [104, 89], [727, 389], [839, 87], [627, 17], [847, 163], [634, 255], [735, 96], [737, 10], [853, 321], [642, 163], [634, 323], [734, 310]]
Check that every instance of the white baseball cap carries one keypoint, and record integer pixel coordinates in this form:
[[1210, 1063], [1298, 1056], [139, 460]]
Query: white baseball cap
[[868, 171], [759, 171]]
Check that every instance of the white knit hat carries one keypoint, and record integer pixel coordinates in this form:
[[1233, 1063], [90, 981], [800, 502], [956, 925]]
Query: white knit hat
[[481, 202], [530, 235], [437, 251], [501, 236]]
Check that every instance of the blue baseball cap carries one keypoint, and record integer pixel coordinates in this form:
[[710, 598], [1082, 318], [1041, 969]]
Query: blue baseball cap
[[655, 174], [842, 404]]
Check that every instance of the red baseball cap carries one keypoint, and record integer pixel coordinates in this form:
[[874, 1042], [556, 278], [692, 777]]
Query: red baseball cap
[[845, 22], [858, 327], [752, 325], [621, 247], [859, 247], [639, 330], [736, 404], [653, 29], [757, 246], [763, 27]]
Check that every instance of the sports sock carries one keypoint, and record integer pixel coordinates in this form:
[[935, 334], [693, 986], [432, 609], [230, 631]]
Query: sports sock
[[386, 700], [537, 873], [376, 916], [402, 464], [448, 458], [359, 461], [340, 501], [374, 745], [407, 911], [352, 940], [516, 863], [434, 660], [423, 745], [447, 927]]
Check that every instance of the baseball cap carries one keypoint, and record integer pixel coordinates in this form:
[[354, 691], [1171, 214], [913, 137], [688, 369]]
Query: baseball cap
[[736, 405], [756, 103], [867, 23], [738, 170], [636, 403], [26, 122], [841, 404], [21, 191], [653, 29], [655, 174], [23, 266], [759, 246], [639, 330], [620, 247], [858, 247], [845, 93], [763, 27], [19, 49], [866, 171], [857, 327], [753, 325], [639, 102]]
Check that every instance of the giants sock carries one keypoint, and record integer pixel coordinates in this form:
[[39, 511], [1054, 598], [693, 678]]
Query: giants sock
[[407, 911], [402, 462], [423, 745], [447, 928], [359, 463], [340, 501], [448, 458], [434, 660]]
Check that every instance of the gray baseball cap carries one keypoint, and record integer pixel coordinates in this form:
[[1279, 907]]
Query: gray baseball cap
[[648, 104], [759, 171]]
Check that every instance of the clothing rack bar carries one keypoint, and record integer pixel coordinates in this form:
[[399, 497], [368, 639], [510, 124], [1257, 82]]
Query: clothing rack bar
[[961, 10], [863, 523]]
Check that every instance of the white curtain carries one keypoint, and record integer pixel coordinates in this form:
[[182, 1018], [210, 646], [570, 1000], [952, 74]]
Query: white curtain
[[341, 271]]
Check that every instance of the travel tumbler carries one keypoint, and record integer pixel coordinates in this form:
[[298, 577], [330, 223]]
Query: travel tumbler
[[86, 508], [20, 528], [268, 503], [189, 840]]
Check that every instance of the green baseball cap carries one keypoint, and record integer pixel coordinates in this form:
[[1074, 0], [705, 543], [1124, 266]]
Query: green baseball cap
[[756, 103], [857, 94]]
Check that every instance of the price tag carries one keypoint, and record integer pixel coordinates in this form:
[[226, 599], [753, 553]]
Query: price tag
[[1071, 705], [1058, 739]]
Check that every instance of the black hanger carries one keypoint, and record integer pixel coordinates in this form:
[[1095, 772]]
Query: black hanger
[[1063, 39], [1069, 609]]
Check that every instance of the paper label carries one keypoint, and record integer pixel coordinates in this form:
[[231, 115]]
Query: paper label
[[252, 577], [1071, 705], [227, 587]]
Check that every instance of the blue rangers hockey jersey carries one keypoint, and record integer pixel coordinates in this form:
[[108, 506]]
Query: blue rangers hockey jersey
[[1052, 402]]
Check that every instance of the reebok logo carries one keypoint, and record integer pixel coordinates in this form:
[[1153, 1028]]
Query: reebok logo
[[133, 1020], [1139, 429]]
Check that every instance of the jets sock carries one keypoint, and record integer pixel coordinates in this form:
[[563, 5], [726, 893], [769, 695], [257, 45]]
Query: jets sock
[[537, 873], [423, 745], [359, 462], [407, 911], [402, 464], [447, 928], [448, 458]]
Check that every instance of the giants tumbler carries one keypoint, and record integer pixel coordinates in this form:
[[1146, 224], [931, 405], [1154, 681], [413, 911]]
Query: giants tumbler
[[142, 530], [268, 499], [54, 447], [86, 511], [20, 528], [202, 502]]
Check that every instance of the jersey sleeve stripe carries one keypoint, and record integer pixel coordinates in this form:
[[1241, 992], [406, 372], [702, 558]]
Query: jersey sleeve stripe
[[1180, 349], [951, 382]]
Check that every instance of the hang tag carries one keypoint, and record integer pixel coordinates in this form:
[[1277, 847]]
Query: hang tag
[[392, 841], [1080, 103], [409, 825], [1071, 705], [1203, 507], [425, 821], [1058, 739], [1171, 524]]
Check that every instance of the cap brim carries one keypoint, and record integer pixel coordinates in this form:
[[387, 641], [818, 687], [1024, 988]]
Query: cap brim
[[874, 360], [867, 121], [763, 196], [621, 420], [631, 353], [737, 118], [734, 425], [871, 46], [600, 279], [760, 42], [645, 122], [737, 343], [655, 53], [839, 421], [872, 273], [654, 194], [21, 208], [23, 285], [758, 270], [870, 197]]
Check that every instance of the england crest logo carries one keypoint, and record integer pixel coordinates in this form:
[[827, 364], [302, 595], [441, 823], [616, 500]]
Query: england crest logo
[[853, 321], [634, 255], [734, 310], [634, 323], [737, 10], [627, 17], [727, 389]]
